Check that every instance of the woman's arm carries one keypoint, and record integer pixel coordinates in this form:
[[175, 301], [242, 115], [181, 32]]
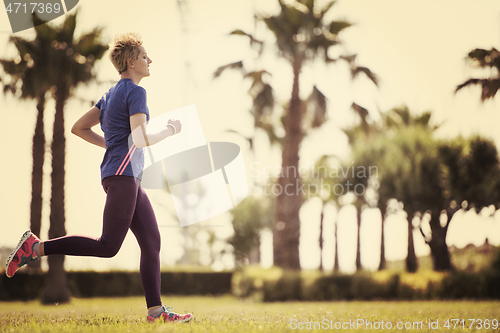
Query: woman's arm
[[83, 128], [142, 138]]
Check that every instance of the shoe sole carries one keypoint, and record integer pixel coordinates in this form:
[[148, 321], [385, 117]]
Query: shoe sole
[[178, 321], [24, 238]]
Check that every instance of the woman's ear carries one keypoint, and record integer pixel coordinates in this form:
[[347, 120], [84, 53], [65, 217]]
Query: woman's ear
[[130, 63]]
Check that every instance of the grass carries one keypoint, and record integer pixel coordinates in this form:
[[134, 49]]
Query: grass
[[228, 314]]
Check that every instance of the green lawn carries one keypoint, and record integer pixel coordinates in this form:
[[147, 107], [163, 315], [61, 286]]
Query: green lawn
[[227, 314]]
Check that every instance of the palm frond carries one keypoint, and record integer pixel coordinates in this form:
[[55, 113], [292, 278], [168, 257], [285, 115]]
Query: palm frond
[[489, 87], [9, 88], [423, 119], [321, 42], [485, 58], [337, 26], [256, 77], [326, 8], [359, 69], [284, 34], [89, 45], [308, 3], [253, 41], [22, 45], [403, 114], [316, 108], [263, 101], [349, 58], [68, 29], [351, 134], [363, 115], [238, 65], [10, 67], [469, 82]]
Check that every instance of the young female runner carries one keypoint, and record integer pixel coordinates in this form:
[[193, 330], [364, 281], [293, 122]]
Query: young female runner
[[121, 111]]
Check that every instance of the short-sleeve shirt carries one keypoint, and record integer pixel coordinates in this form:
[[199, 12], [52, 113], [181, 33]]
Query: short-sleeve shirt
[[116, 107]]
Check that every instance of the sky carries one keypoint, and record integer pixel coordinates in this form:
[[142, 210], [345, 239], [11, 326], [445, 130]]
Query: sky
[[417, 48]]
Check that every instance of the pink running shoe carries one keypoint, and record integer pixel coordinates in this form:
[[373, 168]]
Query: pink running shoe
[[22, 254], [171, 317]]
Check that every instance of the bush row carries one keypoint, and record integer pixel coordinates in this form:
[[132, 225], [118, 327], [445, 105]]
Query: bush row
[[277, 285], [272, 285], [111, 284]]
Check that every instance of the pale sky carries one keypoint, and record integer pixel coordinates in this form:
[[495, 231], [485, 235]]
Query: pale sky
[[417, 48]]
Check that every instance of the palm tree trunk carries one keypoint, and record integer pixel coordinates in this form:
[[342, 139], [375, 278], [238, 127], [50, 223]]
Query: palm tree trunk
[[56, 286], [336, 267], [358, 245], [382, 263], [321, 237], [37, 175], [411, 258], [287, 231]]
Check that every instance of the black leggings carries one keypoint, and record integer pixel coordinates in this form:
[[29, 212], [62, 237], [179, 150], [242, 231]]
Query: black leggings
[[127, 207]]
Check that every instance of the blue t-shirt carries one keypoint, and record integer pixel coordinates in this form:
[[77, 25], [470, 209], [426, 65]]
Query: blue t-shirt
[[116, 106]]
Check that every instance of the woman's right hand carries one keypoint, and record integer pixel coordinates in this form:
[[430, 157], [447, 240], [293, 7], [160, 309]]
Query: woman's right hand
[[176, 123]]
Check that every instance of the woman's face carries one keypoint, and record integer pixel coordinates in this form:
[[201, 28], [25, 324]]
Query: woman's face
[[141, 65]]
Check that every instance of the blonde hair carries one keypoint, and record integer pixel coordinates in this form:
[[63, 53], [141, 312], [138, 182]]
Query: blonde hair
[[124, 47]]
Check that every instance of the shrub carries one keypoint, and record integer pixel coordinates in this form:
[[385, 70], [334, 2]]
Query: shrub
[[287, 287], [495, 264], [460, 285], [278, 285], [24, 287], [114, 284]]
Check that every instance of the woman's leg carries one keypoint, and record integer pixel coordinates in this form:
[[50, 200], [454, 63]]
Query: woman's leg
[[145, 229], [118, 213]]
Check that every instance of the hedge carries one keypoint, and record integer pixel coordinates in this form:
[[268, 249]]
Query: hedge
[[273, 285], [26, 286], [277, 285]]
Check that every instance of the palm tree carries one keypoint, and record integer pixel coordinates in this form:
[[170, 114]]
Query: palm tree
[[70, 64], [360, 133], [60, 67], [393, 121], [336, 266], [402, 118], [302, 35], [372, 145], [321, 177], [28, 81], [485, 59]]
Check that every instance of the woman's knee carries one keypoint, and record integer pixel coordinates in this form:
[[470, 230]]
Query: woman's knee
[[152, 246], [109, 251]]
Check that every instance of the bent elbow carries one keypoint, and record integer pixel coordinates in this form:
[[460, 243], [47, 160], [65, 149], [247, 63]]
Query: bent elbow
[[138, 140], [74, 130], [139, 143]]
